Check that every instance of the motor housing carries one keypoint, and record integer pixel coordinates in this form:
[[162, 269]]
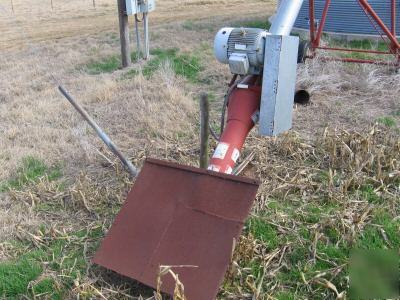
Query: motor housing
[[242, 49]]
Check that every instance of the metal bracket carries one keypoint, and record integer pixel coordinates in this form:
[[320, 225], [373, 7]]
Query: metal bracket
[[279, 83]]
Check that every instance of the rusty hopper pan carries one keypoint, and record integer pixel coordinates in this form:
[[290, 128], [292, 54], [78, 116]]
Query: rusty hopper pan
[[177, 215]]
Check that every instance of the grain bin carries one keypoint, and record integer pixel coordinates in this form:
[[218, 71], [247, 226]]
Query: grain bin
[[346, 18]]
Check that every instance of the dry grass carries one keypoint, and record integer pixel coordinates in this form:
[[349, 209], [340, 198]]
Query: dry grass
[[322, 189], [35, 21], [318, 201], [346, 96]]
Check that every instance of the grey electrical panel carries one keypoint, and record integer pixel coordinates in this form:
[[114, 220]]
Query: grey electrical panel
[[279, 83], [134, 7]]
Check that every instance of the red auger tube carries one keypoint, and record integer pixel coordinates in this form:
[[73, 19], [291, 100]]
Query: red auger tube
[[243, 108]]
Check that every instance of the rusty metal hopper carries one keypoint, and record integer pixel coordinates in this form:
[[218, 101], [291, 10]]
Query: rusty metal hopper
[[178, 215]]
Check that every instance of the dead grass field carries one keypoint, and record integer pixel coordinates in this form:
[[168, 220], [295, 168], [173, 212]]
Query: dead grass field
[[324, 190]]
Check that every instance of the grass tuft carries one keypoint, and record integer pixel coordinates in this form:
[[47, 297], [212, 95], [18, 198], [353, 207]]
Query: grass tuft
[[63, 254], [106, 65], [358, 44], [16, 276], [47, 287], [31, 170], [263, 232], [185, 65], [321, 204], [387, 121]]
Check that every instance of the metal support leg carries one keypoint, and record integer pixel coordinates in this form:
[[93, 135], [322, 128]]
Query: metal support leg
[[138, 48], [146, 36]]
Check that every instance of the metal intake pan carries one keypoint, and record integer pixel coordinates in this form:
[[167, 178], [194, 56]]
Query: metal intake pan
[[177, 215]]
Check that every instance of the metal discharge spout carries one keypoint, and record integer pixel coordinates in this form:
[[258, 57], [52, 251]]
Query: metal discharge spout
[[286, 17], [243, 108]]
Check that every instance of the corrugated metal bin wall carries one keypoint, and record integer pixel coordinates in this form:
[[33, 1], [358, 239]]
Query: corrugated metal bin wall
[[347, 17]]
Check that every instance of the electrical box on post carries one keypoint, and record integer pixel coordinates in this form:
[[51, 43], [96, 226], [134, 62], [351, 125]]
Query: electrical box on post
[[134, 7], [279, 83]]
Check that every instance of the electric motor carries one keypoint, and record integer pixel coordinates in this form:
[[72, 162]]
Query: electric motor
[[242, 49]]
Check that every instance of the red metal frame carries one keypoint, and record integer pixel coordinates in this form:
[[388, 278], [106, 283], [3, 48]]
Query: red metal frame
[[389, 36]]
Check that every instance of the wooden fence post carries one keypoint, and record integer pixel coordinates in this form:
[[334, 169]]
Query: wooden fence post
[[124, 34], [204, 130], [12, 6]]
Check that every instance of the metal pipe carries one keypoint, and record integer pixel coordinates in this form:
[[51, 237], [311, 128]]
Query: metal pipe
[[302, 97], [361, 61], [394, 17], [132, 170], [138, 47], [146, 36], [242, 110], [393, 29], [311, 12], [322, 23], [286, 17], [354, 50]]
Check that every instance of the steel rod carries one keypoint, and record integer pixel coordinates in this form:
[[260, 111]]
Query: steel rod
[[103, 136], [204, 130], [353, 50], [146, 36], [394, 17], [322, 23], [393, 29], [311, 12], [138, 47], [360, 61]]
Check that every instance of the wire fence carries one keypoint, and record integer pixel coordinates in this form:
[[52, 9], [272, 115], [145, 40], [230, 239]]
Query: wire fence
[[50, 3], [42, 20]]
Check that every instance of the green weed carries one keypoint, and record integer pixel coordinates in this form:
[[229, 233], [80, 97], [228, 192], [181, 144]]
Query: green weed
[[183, 64], [15, 277], [386, 235], [286, 296], [368, 193], [359, 44], [387, 121], [130, 74], [212, 97], [107, 64], [264, 232], [64, 255], [47, 287], [31, 170]]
